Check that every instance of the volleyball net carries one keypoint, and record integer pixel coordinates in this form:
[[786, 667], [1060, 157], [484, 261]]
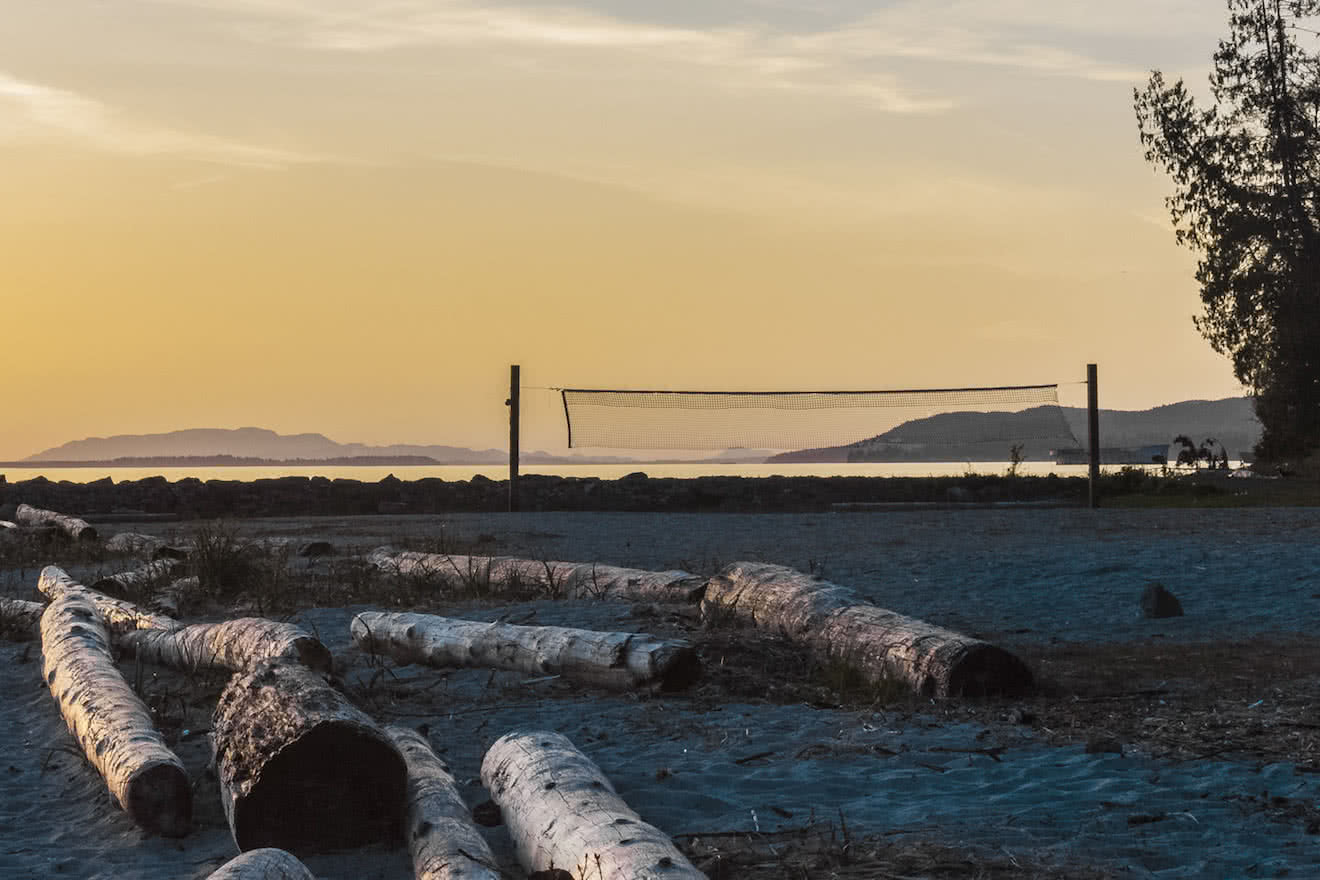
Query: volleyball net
[[974, 424]]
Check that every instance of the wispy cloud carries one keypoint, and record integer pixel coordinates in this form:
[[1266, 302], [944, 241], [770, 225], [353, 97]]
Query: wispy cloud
[[30, 110], [736, 56], [1065, 38]]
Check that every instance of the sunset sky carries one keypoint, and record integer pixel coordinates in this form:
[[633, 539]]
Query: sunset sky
[[350, 217]]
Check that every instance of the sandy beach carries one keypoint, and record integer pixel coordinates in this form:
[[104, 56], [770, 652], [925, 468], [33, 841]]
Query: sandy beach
[[723, 764]]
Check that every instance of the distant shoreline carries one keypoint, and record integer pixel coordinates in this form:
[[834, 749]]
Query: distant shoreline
[[232, 461]]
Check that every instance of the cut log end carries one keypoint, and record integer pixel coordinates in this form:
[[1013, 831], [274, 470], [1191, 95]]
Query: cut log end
[[313, 654], [336, 787], [988, 670], [680, 670], [160, 800]]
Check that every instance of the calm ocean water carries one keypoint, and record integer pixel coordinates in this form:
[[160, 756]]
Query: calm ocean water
[[499, 472]]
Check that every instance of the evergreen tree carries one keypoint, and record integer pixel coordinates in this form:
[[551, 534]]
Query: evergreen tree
[[1246, 170]]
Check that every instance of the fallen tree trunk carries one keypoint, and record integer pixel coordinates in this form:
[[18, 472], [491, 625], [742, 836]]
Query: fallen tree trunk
[[121, 616], [606, 659], [75, 528], [144, 545], [180, 595], [442, 838], [19, 617], [230, 644], [138, 580], [300, 767], [879, 644], [111, 724], [563, 813], [267, 863], [569, 580]]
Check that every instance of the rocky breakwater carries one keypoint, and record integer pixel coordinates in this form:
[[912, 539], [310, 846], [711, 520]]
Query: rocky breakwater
[[191, 498]]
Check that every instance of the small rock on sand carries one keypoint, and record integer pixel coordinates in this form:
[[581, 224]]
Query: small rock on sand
[[1156, 601]]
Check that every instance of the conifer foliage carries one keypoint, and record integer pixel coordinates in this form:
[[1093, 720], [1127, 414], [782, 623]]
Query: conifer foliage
[[1246, 172]]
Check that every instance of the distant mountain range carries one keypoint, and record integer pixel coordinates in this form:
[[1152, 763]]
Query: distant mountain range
[[955, 436], [982, 436], [215, 447]]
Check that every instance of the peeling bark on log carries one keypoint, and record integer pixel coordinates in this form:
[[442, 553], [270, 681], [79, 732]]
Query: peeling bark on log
[[19, 617], [178, 596], [137, 580], [267, 863], [563, 813], [230, 644], [879, 644], [571, 580], [300, 767], [111, 724], [606, 659], [120, 616], [75, 528], [444, 841], [144, 545]]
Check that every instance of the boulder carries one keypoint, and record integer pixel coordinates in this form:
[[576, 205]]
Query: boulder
[[1156, 602]]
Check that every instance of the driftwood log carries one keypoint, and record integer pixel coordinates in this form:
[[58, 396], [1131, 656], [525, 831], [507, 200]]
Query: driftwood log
[[605, 659], [75, 528], [569, 580], [144, 545], [113, 727], [267, 863], [444, 842], [563, 813], [178, 596], [300, 767], [879, 644], [120, 615], [19, 617], [137, 580], [230, 644]]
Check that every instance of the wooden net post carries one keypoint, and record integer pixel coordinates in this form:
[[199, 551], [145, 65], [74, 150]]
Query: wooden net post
[[514, 387], [1093, 435]]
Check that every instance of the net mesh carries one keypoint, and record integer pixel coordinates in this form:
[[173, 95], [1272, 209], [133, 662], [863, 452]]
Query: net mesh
[[957, 423]]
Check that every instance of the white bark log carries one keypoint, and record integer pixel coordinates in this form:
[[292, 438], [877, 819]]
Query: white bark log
[[300, 767], [569, 580], [562, 812], [879, 644], [144, 545], [75, 528], [6, 524], [267, 863], [20, 618], [120, 615], [178, 597], [230, 644], [444, 841], [605, 659], [138, 579], [113, 727]]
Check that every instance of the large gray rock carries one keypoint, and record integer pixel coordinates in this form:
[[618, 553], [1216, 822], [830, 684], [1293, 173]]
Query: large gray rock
[[1158, 602]]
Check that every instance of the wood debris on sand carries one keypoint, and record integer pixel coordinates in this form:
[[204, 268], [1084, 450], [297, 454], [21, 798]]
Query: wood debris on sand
[[301, 767], [109, 721], [606, 659], [569, 580], [562, 812], [878, 643]]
